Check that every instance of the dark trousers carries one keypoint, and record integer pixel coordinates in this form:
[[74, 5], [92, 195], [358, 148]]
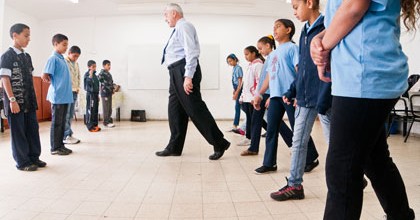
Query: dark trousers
[[358, 146], [275, 115], [24, 133], [107, 109], [182, 106], [92, 102], [257, 122], [248, 109], [58, 123]]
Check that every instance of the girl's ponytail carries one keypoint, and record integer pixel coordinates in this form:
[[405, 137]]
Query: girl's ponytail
[[269, 39]]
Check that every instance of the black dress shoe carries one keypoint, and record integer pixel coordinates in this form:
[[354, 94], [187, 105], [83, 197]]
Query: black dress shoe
[[166, 153], [311, 166], [218, 154]]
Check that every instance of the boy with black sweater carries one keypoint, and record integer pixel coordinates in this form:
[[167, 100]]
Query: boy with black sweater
[[20, 101], [91, 82]]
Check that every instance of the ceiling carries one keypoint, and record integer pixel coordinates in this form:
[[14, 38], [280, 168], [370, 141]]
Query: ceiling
[[56, 9]]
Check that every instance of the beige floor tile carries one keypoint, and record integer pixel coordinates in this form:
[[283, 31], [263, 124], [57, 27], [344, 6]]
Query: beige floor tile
[[122, 210], [159, 211], [114, 174], [245, 196], [19, 215], [217, 197], [92, 208], [245, 209], [219, 210], [186, 211], [50, 216]]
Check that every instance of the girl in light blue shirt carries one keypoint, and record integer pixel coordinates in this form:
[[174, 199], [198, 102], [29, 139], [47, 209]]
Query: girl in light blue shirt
[[281, 73], [237, 75], [369, 72]]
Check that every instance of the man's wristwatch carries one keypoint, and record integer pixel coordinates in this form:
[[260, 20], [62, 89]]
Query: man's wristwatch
[[12, 99]]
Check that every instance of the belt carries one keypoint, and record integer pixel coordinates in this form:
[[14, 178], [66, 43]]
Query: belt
[[177, 63]]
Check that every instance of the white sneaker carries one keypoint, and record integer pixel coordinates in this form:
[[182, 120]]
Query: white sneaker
[[71, 140], [110, 125], [245, 142]]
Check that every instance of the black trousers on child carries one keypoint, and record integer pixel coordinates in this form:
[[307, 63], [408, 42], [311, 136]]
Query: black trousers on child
[[58, 123], [248, 109], [182, 106], [92, 102], [24, 132], [358, 146]]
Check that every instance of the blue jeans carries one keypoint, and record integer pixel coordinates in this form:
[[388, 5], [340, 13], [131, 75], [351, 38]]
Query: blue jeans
[[69, 117], [325, 123], [237, 110], [275, 114], [304, 121]]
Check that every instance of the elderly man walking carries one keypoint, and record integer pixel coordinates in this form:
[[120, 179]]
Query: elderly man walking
[[180, 55]]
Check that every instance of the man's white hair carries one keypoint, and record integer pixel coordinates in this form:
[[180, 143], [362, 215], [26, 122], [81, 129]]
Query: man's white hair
[[175, 7]]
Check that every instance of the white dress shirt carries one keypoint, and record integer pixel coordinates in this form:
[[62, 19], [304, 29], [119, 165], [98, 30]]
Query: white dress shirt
[[183, 44]]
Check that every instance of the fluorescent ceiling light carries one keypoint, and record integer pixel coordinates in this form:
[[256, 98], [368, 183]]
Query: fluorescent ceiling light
[[75, 1]]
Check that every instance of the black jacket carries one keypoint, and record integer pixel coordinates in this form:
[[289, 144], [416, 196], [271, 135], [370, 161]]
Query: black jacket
[[91, 84], [307, 88]]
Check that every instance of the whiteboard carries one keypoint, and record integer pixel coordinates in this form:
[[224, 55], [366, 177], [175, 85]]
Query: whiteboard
[[146, 73]]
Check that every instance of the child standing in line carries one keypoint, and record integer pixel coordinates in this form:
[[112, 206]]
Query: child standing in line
[[71, 59], [237, 75], [307, 91], [107, 90], [20, 101], [91, 83], [250, 80], [59, 94], [281, 73], [265, 47], [369, 73]]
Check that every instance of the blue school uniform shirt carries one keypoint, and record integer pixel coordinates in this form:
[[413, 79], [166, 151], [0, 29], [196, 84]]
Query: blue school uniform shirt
[[282, 68], [237, 73], [369, 61], [60, 90], [264, 73]]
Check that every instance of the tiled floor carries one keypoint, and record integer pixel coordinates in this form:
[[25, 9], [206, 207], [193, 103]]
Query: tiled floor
[[114, 174]]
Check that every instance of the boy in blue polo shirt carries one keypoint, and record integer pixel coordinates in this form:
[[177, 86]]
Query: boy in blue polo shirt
[[59, 94], [20, 101]]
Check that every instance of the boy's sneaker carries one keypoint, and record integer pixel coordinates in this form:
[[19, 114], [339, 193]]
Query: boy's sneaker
[[68, 150], [288, 192], [110, 125], [31, 167], [238, 131], [60, 151], [245, 142], [264, 169], [95, 129], [71, 140], [40, 163]]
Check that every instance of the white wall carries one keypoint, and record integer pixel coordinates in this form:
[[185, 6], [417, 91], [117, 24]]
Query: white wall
[[110, 37], [11, 17]]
